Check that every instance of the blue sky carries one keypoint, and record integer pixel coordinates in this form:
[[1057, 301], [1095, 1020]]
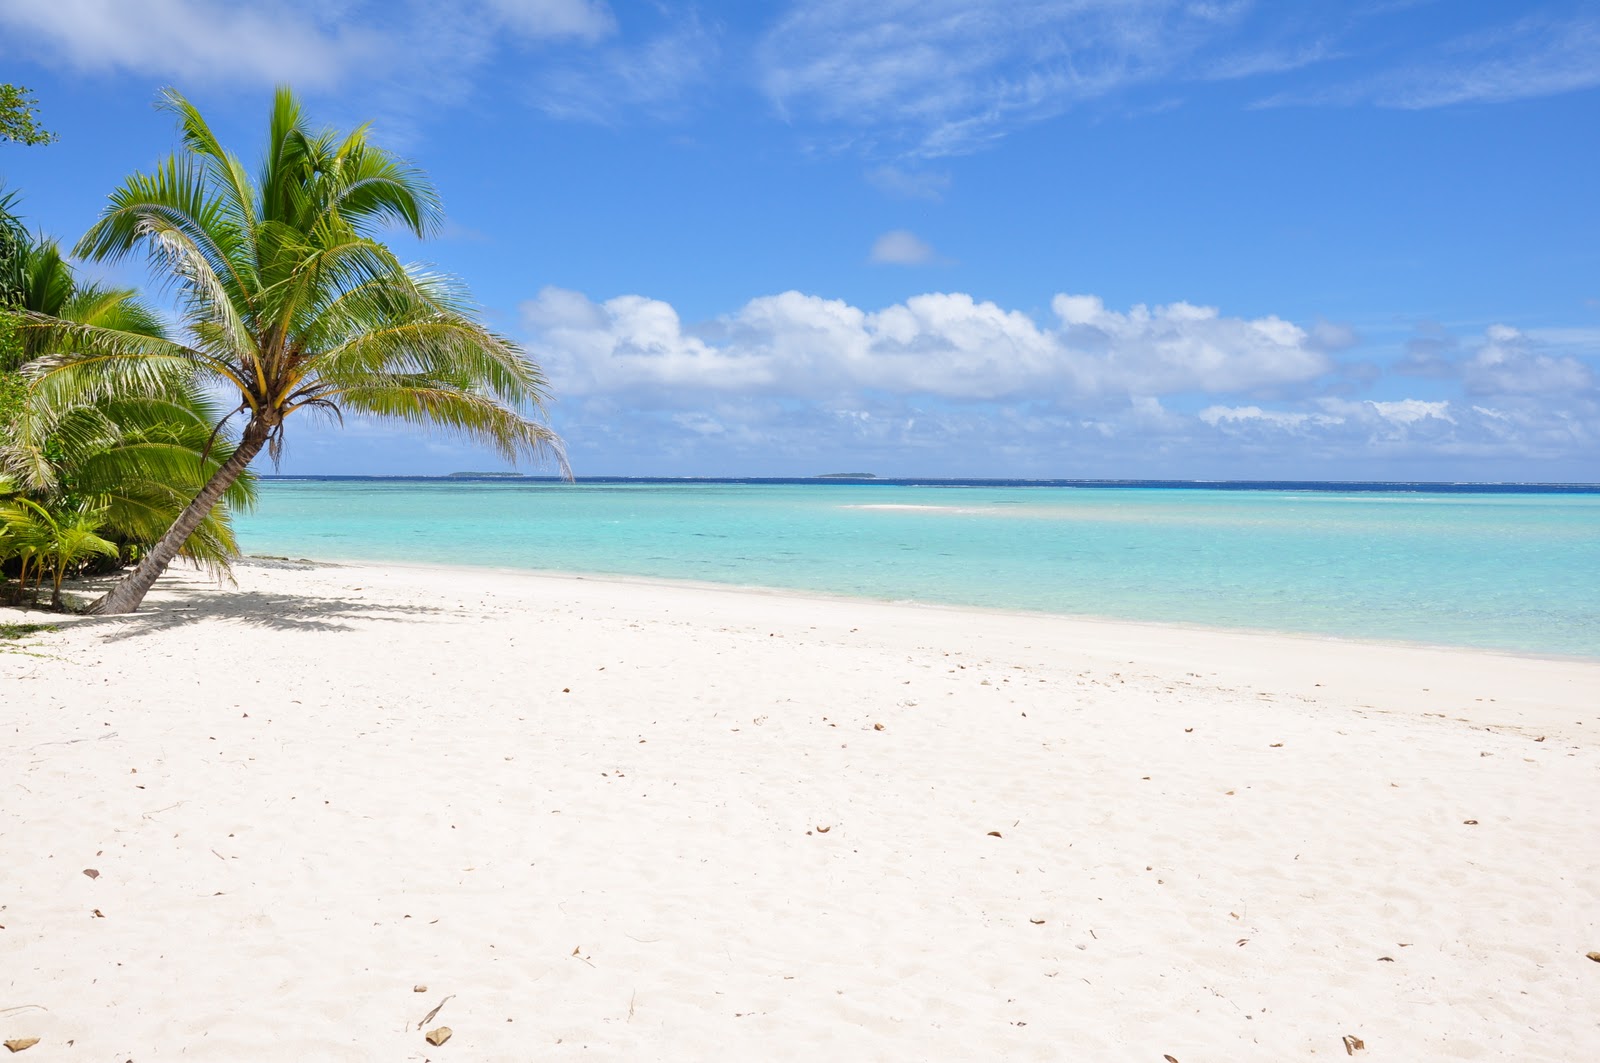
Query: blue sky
[[1030, 238]]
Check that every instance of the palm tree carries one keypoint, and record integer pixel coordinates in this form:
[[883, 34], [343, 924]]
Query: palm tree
[[135, 453], [13, 238], [59, 542], [291, 302]]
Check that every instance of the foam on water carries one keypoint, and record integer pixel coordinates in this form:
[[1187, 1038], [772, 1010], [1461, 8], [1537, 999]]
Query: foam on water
[[1506, 571]]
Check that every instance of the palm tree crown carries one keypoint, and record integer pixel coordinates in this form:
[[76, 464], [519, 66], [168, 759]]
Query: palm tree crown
[[136, 453], [290, 301]]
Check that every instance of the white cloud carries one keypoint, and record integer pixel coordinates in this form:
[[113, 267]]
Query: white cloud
[[197, 39], [1182, 347], [1216, 416], [1411, 411], [1268, 61], [943, 77], [588, 20], [1505, 360], [1536, 56], [653, 73], [901, 248], [940, 344], [311, 44], [1509, 363]]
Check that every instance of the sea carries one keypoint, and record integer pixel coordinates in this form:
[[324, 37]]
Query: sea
[[1510, 567]]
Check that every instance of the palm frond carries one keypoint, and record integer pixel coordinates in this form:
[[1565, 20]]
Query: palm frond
[[449, 409]]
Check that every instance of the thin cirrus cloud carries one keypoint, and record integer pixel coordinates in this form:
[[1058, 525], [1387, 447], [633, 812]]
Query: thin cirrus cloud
[[943, 344], [1532, 57], [586, 20], [934, 78], [654, 75]]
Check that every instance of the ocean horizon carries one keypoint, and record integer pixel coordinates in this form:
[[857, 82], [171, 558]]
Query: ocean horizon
[[1440, 486], [1497, 566]]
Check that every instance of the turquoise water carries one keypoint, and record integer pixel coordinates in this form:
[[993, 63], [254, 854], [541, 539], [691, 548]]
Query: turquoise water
[[1504, 571]]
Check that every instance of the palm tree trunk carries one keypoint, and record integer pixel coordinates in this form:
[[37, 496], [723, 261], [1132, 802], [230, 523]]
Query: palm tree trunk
[[126, 596]]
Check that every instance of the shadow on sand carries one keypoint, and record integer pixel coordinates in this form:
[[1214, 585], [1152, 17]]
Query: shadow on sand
[[281, 612]]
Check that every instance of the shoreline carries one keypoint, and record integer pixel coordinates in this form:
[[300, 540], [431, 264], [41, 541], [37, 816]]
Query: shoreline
[[623, 820], [820, 595]]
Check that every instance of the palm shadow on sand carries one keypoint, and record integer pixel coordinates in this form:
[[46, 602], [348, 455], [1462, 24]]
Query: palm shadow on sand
[[274, 611]]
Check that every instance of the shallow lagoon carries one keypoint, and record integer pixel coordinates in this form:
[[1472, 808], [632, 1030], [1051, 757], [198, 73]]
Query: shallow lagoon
[[1503, 570]]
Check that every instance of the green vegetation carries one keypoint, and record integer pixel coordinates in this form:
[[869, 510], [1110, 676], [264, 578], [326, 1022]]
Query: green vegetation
[[287, 302], [54, 543], [90, 476], [18, 117], [13, 632]]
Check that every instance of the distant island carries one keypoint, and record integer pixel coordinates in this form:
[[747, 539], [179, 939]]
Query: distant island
[[486, 475], [848, 476]]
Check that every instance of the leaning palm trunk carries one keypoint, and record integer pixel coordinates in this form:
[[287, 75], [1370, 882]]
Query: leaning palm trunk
[[129, 592], [291, 303]]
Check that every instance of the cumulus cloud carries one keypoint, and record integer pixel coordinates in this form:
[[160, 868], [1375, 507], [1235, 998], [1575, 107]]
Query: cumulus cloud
[[944, 383], [1509, 363], [1503, 361], [901, 248], [944, 344], [1410, 411]]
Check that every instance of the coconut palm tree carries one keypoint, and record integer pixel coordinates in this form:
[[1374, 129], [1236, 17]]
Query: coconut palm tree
[[135, 453], [291, 303]]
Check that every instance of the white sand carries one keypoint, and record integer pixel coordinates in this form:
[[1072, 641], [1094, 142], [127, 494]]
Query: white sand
[[587, 815]]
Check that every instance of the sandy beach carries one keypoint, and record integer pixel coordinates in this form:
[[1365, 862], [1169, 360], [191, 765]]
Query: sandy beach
[[329, 810]]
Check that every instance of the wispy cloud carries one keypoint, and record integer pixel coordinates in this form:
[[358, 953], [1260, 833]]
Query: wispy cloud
[[934, 78], [1533, 57], [588, 20], [194, 39], [653, 73], [1273, 60], [580, 60]]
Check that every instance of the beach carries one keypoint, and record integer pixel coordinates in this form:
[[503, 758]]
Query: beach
[[336, 807]]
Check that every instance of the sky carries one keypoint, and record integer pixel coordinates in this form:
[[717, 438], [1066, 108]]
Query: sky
[[1207, 239]]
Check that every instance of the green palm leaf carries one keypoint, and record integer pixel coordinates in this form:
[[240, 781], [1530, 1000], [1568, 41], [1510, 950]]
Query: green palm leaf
[[290, 301]]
